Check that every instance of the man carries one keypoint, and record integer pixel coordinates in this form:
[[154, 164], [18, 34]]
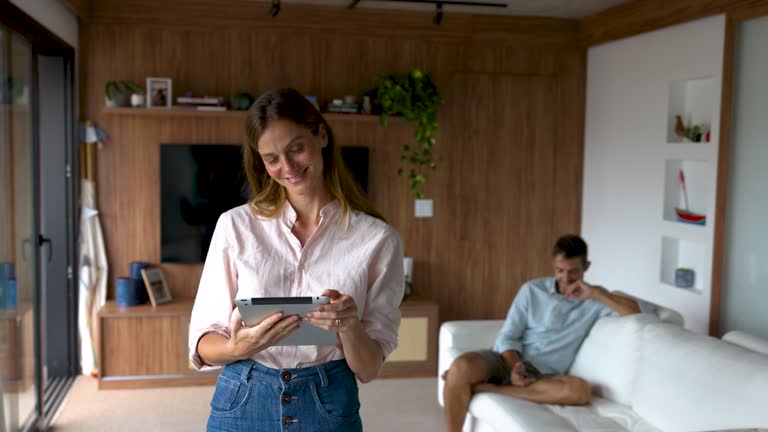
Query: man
[[545, 326]]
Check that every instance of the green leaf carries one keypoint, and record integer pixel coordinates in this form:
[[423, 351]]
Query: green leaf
[[415, 99]]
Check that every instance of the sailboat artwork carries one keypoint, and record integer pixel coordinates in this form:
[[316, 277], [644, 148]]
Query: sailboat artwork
[[686, 215]]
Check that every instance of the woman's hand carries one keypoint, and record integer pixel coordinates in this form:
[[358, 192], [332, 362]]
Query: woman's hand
[[364, 355], [339, 315], [244, 341]]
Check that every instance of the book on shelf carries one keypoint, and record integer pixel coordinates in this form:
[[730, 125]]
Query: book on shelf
[[211, 108], [343, 108], [200, 100]]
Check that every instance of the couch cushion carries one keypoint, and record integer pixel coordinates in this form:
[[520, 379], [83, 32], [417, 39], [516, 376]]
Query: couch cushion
[[508, 414], [623, 415], [687, 381], [607, 357]]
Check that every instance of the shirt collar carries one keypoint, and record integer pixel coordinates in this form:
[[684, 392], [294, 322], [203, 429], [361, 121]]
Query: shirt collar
[[330, 209], [288, 215], [552, 286]]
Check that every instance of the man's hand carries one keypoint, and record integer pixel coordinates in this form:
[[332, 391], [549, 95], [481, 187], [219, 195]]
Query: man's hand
[[580, 290], [519, 380]]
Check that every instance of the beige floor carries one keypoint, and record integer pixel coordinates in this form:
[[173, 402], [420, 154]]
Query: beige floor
[[400, 405]]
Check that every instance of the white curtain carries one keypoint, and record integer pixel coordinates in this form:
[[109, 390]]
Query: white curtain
[[92, 275]]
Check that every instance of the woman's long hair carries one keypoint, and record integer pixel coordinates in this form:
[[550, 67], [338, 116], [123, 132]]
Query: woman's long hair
[[268, 196]]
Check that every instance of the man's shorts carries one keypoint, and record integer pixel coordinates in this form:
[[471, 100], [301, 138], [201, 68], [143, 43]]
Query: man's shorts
[[497, 371]]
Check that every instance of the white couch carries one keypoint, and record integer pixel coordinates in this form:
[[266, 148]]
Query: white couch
[[647, 375]]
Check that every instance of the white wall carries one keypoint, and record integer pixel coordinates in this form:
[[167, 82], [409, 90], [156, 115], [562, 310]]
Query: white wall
[[631, 85], [55, 15], [745, 279]]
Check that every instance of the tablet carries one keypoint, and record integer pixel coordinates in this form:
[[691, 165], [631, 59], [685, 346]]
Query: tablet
[[254, 310]]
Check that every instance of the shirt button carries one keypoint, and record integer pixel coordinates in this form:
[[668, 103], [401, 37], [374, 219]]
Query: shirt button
[[285, 376], [287, 398], [287, 420]]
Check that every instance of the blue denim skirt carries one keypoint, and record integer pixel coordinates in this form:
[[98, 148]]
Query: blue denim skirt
[[254, 398]]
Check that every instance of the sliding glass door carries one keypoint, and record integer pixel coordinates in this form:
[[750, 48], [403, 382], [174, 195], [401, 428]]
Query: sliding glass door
[[744, 296], [19, 267]]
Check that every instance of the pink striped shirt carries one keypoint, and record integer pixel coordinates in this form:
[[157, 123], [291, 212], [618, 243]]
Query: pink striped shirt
[[251, 256]]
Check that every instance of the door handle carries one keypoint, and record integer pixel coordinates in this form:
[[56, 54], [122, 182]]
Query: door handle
[[42, 240]]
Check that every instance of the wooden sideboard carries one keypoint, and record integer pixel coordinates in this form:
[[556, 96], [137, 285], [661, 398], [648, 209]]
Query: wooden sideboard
[[142, 346]]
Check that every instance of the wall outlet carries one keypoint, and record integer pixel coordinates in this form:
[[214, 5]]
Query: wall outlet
[[423, 208]]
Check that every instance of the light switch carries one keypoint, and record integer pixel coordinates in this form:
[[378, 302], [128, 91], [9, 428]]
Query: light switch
[[423, 208]]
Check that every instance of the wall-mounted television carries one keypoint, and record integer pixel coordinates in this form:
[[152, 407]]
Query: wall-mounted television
[[199, 182]]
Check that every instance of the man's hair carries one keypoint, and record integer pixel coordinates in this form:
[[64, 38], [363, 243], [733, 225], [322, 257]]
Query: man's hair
[[570, 246]]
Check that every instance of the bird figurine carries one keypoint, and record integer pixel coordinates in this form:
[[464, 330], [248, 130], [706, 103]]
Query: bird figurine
[[680, 128]]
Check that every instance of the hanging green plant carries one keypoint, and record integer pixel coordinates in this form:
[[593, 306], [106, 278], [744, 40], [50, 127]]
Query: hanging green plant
[[413, 96]]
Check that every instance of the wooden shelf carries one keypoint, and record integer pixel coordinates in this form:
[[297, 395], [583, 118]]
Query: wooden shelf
[[182, 306], [190, 112]]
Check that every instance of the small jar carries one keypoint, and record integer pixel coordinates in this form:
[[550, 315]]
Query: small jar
[[684, 278]]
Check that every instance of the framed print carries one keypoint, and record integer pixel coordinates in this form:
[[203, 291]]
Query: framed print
[[159, 92], [157, 288]]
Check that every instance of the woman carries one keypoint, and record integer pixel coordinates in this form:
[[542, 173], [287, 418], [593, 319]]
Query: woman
[[306, 231]]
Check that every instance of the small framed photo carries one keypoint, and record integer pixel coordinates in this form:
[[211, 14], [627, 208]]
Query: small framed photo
[[159, 92], [154, 280]]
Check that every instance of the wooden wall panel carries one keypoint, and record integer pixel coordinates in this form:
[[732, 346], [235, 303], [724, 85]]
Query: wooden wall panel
[[640, 16], [510, 135]]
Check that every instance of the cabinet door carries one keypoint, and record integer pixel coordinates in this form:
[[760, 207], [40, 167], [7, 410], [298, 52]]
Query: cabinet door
[[143, 346]]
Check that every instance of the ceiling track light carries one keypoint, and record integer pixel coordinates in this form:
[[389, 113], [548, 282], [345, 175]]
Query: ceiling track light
[[275, 9], [438, 14], [354, 3], [438, 5]]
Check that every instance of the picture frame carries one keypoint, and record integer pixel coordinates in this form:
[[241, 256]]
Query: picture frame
[[157, 288], [159, 92]]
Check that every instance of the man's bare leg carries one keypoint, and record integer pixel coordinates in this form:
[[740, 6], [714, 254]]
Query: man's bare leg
[[561, 390], [467, 370]]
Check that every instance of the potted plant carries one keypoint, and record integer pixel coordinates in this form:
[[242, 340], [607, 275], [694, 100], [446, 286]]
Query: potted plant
[[415, 97], [119, 93]]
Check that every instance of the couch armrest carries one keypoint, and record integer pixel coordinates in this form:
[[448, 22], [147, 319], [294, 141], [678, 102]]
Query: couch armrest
[[748, 341], [665, 314], [458, 337]]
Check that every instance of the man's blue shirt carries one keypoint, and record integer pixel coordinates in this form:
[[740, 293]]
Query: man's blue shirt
[[546, 328]]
